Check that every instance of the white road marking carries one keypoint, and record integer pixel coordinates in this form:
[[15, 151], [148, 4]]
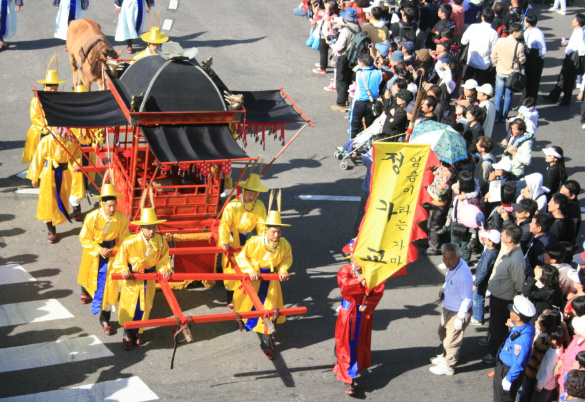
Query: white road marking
[[328, 198], [173, 4], [167, 24], [582, 210], [33, 311], [14, 273], [51, 353], [131, 389], [27, 191], [22, 175]]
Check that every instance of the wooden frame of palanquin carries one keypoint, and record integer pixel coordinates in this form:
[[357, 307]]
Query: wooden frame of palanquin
[[192, 211]]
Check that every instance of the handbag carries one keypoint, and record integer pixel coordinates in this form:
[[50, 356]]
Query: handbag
[[577, 62], [516, 81], [376, 106], [457, 229]]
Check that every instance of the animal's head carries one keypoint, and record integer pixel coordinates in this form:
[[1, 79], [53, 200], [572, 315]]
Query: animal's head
[[110, 55]]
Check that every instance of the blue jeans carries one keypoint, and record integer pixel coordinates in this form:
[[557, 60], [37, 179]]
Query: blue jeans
[[479, 302], [501, 90]]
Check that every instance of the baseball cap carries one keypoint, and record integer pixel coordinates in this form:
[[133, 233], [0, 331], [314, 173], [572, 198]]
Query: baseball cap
[[504, 164], [579, 258], [518, 207], [383, 48], [409, 46], [409, 108], [397, 56], [493, 235], [486, 89], [522, 306], [470, 84], [578, 324]]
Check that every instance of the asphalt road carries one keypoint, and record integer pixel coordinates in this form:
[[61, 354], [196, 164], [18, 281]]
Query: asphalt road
[[256, 45]]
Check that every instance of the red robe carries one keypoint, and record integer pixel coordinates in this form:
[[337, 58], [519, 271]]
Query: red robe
[[353, 331]]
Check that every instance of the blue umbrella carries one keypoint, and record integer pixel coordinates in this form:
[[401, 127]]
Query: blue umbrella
[[447, 143]]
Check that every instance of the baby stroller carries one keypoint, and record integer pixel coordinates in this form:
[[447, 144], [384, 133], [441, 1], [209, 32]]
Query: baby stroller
[[354, 149]]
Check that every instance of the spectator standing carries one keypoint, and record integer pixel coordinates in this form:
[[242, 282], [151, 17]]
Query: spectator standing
[[543, 290], [485, 146], [519, 148], [506, 281], [374, 28], [480, 39], [514, 14], [484, 94], [568, 357], [427, 19], [560, 6], [535, 52], [343, 71], [534, 191], [524, 211], [515, 352], [555, 173], [507, 55], [562, 228], [325, 26], [456, 297], [498, 21], [440, 192], [571, 189], [368, 79], [483, 270], [474, 129], [458, 17], [445, 22], [539, 227], [568, 74], [406, 27]]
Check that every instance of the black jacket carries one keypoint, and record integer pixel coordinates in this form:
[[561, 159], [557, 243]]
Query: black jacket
[[542, 298]]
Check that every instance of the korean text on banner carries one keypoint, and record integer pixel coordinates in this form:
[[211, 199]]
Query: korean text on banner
[[383, 242]]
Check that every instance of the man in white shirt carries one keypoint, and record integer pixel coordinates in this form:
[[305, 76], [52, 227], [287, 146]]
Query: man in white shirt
[[480, 39], [568, 75], [535, 50], [457, 296]]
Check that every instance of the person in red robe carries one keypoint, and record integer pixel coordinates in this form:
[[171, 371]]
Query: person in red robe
[[353, 331]]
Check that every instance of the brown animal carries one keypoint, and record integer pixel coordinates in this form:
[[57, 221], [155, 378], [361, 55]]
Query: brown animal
[[86, 43]]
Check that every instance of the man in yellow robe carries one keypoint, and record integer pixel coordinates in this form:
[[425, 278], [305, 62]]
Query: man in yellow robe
[[103, 231], [264, 254], [50, 165], [155, 38], [238, 220], [85, 138], [145, 252], [38, 129]]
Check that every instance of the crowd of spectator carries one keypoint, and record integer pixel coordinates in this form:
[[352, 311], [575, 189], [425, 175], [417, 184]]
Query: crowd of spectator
[[455, 62]]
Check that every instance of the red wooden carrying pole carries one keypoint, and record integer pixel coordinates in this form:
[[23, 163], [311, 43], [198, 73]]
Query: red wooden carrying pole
[[193, 276], [283, 149], [247, 285], [160, 322]]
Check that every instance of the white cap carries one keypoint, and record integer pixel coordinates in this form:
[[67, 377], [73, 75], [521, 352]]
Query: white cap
[[339, 20], [493, 235], [470, 84], [504, 164], [579, 325], [523, 306], [486, 89], [368, 9], [551, 152]]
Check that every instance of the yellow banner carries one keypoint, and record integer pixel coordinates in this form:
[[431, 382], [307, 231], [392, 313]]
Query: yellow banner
[[383, 241]]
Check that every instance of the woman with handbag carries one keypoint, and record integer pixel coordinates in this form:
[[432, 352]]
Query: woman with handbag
[[508, 57]]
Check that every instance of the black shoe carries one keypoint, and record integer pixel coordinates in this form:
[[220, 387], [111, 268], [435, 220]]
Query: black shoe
[[565, 104], [76, 213], [549, 98], [483, 342], [489, 359], [105, 322]]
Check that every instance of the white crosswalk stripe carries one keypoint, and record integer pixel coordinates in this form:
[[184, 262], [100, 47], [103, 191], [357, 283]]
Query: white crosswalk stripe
[[34, 311], [124, 390], [51, 353], [14, 273]]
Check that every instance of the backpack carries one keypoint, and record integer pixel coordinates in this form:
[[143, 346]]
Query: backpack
[[407, 31], [502, 31], [359, 45]]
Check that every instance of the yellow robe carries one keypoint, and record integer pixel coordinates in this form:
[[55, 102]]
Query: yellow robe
[[33, 137], [133, 293], [252, 258], [142, 55], [235, 220], [51, 153], [78, 178], [91, 235]]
